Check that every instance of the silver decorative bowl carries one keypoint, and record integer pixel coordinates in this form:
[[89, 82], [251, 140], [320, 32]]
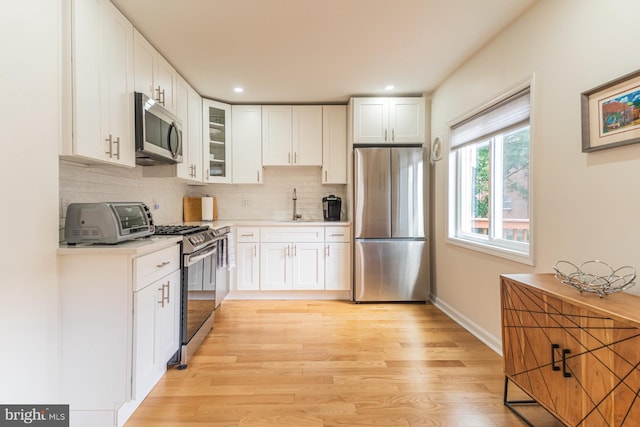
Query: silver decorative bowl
[[595, 276]]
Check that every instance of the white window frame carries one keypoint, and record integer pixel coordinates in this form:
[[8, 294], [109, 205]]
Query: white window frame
[[496, 246]]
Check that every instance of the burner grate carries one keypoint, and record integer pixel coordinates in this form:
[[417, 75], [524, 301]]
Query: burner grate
[[179, 230]]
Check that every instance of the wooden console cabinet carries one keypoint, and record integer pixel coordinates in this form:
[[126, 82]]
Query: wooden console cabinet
[[576, 354]]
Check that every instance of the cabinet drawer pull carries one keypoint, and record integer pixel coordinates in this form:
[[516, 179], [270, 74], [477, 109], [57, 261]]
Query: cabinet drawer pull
[[336, 234], [564, 363], [163, 264], [246, 234], [554, 347]]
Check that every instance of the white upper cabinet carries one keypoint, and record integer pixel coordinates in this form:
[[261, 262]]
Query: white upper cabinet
[[194, 135], [154, 76], [307, 135], [277, 135], [388, 120], [334, 144], [292, 135], [101, 85], [189, 110], [247, 144], [217, 141]]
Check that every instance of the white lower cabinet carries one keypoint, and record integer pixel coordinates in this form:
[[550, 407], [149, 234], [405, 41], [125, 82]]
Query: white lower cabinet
[[337, 258], [276, 267], [156, 317], [119, 326], [337, 267], [291, 266], [293, 258], [248, 258], [248, 266]]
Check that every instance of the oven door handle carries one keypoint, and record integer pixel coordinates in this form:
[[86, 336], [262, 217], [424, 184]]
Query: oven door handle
[[192, 259]]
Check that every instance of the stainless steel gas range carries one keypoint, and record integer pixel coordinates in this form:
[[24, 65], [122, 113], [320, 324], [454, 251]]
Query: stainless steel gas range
[[203, 285]]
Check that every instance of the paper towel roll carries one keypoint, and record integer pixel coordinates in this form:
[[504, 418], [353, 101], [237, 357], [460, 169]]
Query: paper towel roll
[[207, 208]]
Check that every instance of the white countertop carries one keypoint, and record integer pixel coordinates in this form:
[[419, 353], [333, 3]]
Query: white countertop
[[150, 244], [134, 247], [264, 223]]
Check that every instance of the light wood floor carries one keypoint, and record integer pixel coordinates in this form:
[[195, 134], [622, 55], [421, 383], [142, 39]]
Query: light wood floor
[[334, 363]]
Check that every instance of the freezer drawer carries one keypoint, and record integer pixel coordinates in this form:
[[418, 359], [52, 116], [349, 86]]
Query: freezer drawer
[[391, 270]]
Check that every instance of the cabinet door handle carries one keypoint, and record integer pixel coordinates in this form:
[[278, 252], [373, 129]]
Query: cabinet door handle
[[393, 135], [385, 135], [295, 157], [564, 363], [328, 251], [117, 142], [295, 250], [161, 302], [168, 296], [325, 176], [255, 250], [287, 252], [554, 347], [158, 90], [163, 98], [289, 157], [258, 175], [110, 141]]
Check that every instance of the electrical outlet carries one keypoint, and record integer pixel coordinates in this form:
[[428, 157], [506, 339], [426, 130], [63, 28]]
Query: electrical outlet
[[245, 203]]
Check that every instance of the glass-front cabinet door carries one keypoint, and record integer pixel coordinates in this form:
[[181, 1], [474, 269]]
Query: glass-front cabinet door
[[217, 141]]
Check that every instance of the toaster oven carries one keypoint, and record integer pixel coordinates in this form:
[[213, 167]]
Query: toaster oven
[[107, 222]]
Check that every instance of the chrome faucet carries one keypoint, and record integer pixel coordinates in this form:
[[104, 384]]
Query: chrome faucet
[[296, 216]]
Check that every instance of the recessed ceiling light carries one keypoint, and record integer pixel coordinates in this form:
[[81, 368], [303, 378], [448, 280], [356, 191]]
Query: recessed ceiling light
[[238, 90], [389, 87]]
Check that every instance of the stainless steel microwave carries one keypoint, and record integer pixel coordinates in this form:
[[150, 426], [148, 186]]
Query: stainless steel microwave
[[107, 222], [158, 133]]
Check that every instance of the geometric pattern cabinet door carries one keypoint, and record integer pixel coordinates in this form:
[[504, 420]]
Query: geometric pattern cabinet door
[[580, 362]]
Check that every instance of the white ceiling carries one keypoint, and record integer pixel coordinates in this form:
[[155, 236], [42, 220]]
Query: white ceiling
[[317, 51]]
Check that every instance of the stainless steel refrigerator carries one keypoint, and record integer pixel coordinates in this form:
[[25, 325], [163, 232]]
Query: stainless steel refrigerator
[[391, 255]]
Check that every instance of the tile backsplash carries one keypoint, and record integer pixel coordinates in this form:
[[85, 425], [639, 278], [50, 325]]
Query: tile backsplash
[[269, 201], [273, 200]]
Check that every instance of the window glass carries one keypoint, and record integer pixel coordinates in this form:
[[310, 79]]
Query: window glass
[[490, 186]]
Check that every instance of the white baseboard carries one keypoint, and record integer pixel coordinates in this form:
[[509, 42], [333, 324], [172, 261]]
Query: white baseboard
[[289, 295], [493, 342]]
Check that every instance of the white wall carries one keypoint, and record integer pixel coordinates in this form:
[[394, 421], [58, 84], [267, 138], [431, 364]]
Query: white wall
[[585, 206], [30, 108]]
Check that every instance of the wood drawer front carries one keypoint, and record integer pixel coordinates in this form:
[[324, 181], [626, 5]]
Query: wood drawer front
[[151, 267], [292, 234], [248, 234], [337, 234], [603, 362]]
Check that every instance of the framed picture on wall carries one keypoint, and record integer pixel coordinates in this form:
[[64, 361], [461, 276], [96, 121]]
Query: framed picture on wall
[[611, 114]]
